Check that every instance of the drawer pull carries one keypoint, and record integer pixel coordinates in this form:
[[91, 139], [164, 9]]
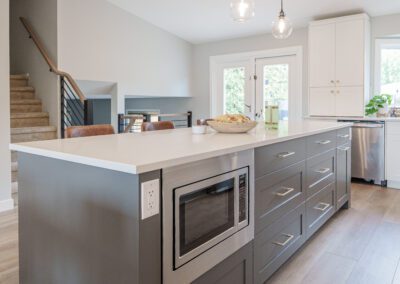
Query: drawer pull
[[289, 238], [325, 142], [286, 155], [344, 148], [322, 206], [323, 171], [288, 190], [344, 136]]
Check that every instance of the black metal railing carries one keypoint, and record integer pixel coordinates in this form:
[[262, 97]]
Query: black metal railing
[[74, 110], [132, 123]]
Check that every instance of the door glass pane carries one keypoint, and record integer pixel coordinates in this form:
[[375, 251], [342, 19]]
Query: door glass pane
[[390, 73], [276, 88], [234, 90]]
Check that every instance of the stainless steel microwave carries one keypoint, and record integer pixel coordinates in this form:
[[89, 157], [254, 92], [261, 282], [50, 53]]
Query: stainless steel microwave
[[207, 213]]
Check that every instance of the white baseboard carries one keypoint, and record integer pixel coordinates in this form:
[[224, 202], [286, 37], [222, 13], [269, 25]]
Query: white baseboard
[[6, 205], [394, 184]]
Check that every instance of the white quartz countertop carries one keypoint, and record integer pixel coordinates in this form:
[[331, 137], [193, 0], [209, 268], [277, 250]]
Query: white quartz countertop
[[352, 118], [137, 153]]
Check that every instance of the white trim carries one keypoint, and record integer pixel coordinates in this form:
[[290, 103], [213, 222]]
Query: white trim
[[362, 16], [6, 205], [251, 58], [379, 44]]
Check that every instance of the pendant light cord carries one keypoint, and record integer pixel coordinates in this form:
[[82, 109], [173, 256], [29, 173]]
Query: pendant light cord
[[282, 13]]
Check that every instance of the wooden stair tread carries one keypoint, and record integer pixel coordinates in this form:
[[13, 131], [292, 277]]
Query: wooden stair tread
[[29, 115], [19, 77], [22, 89], [25, 102], [34, 129]]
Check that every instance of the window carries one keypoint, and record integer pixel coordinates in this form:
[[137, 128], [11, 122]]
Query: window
[[234, 90], [387, 69]]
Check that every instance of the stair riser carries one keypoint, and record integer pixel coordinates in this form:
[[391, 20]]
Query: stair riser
[[20, 138], [22, 95], [25, 108], [14, 176], [29, 122], [14, 156], [18, 83]]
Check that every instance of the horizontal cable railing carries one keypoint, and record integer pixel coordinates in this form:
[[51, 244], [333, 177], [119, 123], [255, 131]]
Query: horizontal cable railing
[[132, 123], [74, 105]]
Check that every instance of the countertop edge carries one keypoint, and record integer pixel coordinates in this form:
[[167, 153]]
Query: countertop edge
[[139, 169]]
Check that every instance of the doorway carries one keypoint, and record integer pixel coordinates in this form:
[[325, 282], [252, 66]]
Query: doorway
[[251, 82]]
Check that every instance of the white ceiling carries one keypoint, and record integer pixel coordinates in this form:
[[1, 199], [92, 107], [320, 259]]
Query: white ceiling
[[199, 21]]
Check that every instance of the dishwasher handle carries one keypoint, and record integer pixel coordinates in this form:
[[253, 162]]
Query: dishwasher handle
[[368, 125]]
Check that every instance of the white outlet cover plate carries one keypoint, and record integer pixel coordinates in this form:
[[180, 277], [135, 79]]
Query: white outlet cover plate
[[150, 198]]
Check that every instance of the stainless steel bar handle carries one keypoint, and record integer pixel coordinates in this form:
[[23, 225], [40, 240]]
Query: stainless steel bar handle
[[288, 190], [368, 126], [323, 208], [343, 148], [344, 136], [324, 142], [323, 171], [285, 155], [289, 238]]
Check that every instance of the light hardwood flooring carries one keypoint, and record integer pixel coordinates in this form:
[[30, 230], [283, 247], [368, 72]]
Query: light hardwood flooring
[[359, 245]]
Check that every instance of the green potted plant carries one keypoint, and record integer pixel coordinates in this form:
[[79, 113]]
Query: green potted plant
[[378, 105]]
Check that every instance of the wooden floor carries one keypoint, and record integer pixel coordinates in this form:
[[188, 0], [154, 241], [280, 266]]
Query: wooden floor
[[359, 245]]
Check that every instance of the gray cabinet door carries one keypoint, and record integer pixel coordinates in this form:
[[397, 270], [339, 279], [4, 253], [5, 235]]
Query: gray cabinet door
[[343, 175], [236, 269]]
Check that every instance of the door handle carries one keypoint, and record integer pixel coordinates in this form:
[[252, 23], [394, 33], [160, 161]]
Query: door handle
[[289, 238], [323, 171], [322, 206], [285, 155], [283, 194], [324, 142]]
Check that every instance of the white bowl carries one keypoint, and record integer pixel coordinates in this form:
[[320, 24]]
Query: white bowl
[[199, 129]]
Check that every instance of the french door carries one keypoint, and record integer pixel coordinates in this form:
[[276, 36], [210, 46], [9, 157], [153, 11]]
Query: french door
[[233, 89], [276, 86], [249, 86]]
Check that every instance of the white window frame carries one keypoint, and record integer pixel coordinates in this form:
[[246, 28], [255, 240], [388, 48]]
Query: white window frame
[[379, 45], [250, 57]]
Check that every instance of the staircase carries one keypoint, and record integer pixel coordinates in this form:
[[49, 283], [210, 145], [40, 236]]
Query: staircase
[[28, 121]]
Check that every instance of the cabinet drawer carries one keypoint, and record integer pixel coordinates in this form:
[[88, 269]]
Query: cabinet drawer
[[278, 193], [343, 136], [274, 245], [320, 208], [275, 157], [320, 172], [318, 144]]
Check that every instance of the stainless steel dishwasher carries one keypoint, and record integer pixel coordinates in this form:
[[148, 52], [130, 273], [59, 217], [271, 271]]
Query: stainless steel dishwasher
[[368, 151]]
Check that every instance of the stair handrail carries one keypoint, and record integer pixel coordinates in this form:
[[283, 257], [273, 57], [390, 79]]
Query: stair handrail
[[50, 63]]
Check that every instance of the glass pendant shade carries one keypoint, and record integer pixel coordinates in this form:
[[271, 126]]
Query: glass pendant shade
[[282, 28], [242, 10]]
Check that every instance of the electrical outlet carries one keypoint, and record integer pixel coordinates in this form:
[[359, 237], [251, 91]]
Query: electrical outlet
[[150, 191]]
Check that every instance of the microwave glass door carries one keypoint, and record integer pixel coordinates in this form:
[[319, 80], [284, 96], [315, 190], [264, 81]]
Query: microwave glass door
[[205, 214]]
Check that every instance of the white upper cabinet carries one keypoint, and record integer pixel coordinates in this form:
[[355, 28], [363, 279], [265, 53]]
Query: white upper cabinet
[[350, 53], [339, 63], [322, 59]]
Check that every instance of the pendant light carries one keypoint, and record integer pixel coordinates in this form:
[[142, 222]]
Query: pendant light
[[282, 28], [242, 10]]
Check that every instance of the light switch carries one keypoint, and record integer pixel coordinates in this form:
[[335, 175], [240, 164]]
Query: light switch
[[150, 191]]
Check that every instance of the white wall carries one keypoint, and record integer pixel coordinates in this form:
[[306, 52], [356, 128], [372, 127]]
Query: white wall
[[6, 201], [101, 42], [25, 57], [202, 53]]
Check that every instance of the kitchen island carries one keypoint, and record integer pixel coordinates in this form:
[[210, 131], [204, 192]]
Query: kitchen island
[[115, 209]]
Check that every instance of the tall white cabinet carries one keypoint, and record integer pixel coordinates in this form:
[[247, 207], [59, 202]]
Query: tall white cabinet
[[339, 51]]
